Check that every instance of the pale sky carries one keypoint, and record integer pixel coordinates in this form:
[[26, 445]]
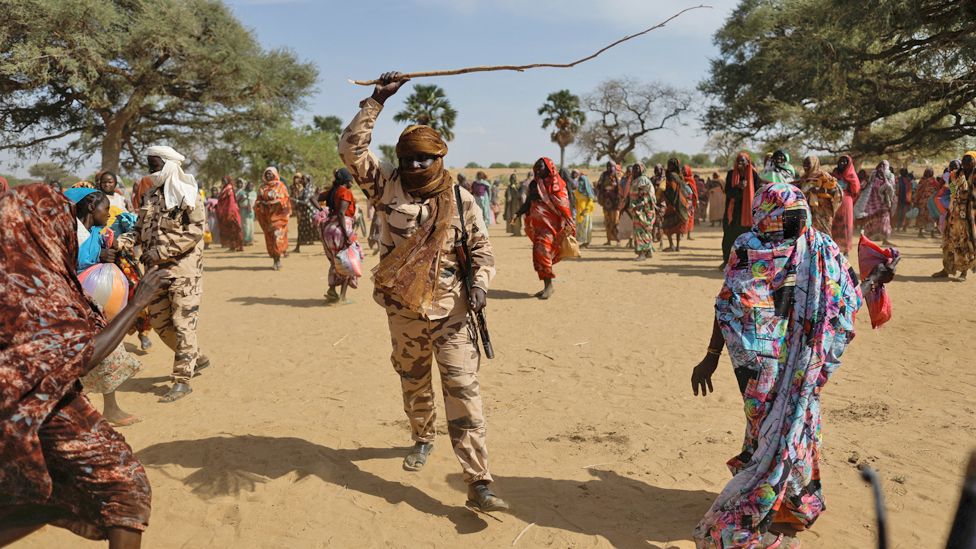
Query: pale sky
[[497, 119]]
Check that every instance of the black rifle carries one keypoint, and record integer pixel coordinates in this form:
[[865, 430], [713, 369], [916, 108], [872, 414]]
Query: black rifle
[[467, 273]]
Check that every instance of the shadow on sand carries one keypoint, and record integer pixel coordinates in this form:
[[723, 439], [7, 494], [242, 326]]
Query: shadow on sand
[[508, 294], [649, 267], [283, 301], [158, 385], [253, 268], [626, 511]]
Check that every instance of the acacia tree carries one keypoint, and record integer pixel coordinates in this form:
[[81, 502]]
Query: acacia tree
[[117, 76], [331, 125], [626, 112], [724, 146], [562, 111], [873, 77], [428, 105], [50, 172]]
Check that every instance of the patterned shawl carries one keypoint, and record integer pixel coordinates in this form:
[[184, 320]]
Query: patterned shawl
[[786, 311], [849, 180], [47, 328], [408, 274], [879, 194], [553, 193], [227, 209], [748, 186]]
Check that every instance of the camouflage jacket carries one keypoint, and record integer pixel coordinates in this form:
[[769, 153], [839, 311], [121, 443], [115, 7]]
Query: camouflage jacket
[[401, 213], [176, 235]]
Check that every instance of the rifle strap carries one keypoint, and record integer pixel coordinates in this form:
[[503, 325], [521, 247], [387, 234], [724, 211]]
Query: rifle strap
[[457, 203]]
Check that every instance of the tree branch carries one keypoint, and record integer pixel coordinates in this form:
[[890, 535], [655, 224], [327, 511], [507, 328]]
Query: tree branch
[[521, 68]]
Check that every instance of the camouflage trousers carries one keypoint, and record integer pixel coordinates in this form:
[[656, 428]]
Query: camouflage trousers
[[416, 342], [173, 313]]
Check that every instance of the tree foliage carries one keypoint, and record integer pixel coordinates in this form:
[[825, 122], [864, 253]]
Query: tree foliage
[[51, 172], [285, 146], [873, 77], [661, 157], [331, 125], [293, 149], [115, 76], [429, 105], [625, 113], [563, 114]]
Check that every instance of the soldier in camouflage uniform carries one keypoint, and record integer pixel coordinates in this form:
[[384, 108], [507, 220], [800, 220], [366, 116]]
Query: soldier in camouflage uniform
[[170, 230], [420, 226]]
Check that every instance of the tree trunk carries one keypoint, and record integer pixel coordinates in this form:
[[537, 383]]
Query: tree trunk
[[562, 156], [112, 144]]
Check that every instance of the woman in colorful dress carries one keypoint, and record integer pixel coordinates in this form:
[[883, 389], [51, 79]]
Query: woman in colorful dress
[[585, 206], [779, 169], [872, 211], [229, 217], [213, 224], [61, 463], [822, 191], [272, 209], [548, 220], [513, 203], [676, 197], [481, 189], [692, 184], [643, 208], [246, 198], [611, 199], [741, 184], [786, 313], [959, 234], [842, 229], [122, 220], [97, 244], [928, 187], [338, 232], [305, 209]]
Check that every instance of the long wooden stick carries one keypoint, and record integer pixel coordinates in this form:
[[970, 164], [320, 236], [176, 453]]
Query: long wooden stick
[[520, 68]]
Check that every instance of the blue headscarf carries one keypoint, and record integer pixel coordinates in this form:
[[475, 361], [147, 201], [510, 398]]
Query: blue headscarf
[[89, 250], [76, 194]]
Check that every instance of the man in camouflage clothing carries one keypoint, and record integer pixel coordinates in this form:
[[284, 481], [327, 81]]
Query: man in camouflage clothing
[[418, 283], [170, 230]]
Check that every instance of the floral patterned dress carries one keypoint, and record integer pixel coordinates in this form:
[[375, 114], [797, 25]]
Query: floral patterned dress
[[787, 314], [643, 208]]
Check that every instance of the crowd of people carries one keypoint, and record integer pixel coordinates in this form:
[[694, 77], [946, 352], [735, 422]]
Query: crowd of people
[[786, 239]]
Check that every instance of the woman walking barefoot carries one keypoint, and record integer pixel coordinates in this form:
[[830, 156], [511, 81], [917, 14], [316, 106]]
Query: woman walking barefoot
[[677, 195], [338, 233], [60, 461], [548, 220]]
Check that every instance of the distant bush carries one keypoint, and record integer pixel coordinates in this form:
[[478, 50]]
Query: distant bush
[[472, 165]]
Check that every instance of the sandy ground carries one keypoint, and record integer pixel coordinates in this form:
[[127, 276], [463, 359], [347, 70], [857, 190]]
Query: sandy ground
[[294, 437]]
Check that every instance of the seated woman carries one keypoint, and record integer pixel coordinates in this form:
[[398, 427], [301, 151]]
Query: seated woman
[[338, 232], [60, 461], [786, 313], [548, 221], [97, 244]]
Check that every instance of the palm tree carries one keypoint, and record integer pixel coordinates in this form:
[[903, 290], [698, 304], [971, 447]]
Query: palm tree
[[562, 111], [428, 105]]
